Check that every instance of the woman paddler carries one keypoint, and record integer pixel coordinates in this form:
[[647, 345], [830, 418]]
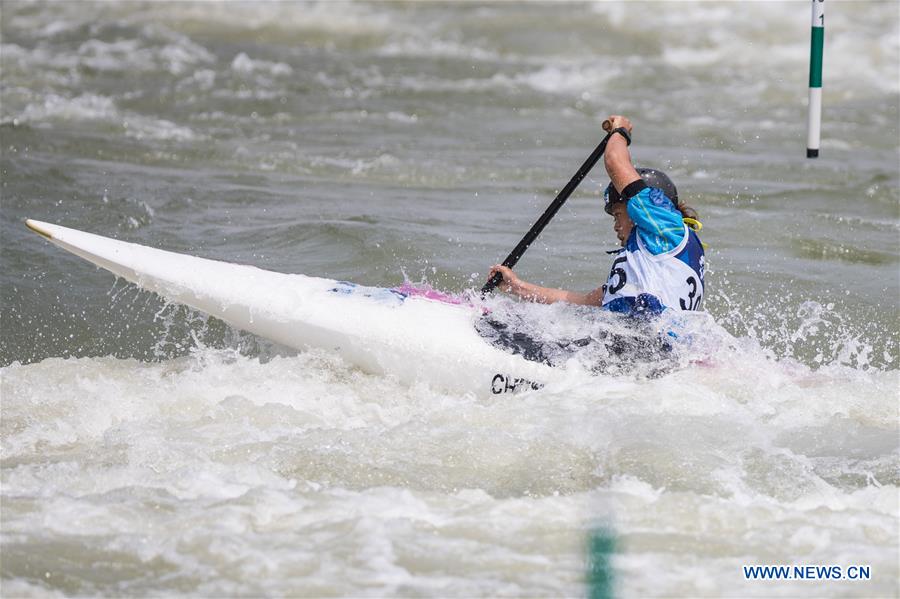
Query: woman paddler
[[661, 262]]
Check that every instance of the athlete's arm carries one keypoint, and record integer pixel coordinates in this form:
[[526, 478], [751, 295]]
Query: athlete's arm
[[657, 220], [658, 224], [544, 295], [617, 158]]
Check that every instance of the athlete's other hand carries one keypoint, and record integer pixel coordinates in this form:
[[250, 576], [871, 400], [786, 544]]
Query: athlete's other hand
[[617, 120], [510, 283]]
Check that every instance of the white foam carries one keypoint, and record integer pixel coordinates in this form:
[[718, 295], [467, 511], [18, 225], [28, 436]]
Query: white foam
[[382, 474], [83, 107], [436, 48], [92, 107], [569, 78], [141, 127], [245, 65]]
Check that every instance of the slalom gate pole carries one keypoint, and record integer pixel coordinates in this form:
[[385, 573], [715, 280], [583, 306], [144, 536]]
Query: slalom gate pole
[[817, 43]]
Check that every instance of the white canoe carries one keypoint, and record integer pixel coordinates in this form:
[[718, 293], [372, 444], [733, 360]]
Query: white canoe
[[413, 338]]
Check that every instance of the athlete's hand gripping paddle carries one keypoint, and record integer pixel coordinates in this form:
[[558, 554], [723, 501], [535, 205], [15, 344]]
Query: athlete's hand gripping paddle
[[551, 210]]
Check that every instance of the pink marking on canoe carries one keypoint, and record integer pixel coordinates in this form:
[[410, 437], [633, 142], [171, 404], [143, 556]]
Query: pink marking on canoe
[[427, 291]]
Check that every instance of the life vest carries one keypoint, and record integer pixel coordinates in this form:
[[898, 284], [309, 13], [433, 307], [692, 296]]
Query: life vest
[[642, 281]]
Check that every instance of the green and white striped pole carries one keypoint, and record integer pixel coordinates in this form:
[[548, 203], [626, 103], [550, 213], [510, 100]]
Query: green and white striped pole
[[814, 117]]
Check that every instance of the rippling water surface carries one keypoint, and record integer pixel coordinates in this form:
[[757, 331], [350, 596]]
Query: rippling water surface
[[147, 449]]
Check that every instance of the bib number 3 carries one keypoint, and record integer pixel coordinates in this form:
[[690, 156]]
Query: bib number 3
[[693, 298]]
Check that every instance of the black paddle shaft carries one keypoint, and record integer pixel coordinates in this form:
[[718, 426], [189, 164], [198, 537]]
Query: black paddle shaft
[[548, 214]]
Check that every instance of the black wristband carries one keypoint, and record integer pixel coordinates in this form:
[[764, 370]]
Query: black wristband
[[624, 133], [633, 188]]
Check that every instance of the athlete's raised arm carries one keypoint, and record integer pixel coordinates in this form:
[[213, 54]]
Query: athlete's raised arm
[[617, 158]]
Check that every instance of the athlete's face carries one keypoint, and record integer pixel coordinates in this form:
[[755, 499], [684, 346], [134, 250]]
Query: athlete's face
[[622, 223]]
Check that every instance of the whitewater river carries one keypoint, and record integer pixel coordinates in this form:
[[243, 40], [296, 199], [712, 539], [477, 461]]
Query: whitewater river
[[150, 451]]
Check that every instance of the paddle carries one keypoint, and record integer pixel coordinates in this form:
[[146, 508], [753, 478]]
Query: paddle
[[551, 210]]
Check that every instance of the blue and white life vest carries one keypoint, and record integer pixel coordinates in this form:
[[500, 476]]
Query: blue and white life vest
[[662, 263]]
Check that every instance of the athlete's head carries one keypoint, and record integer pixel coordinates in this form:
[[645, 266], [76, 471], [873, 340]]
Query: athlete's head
[[616, 206], [650, 176]]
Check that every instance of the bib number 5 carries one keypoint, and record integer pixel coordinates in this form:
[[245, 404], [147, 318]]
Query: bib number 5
[[618, 272]]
